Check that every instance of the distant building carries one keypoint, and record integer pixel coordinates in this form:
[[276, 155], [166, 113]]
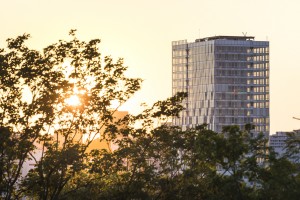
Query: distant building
[[278, 143], [227, 81]]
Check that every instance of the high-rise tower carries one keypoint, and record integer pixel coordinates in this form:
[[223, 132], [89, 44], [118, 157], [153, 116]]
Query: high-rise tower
[[227, 81]]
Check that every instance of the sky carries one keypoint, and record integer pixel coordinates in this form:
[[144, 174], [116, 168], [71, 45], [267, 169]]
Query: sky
[[141, 32]]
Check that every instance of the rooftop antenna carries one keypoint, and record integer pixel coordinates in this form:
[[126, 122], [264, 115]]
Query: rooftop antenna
[[199, 33], [244, 34]]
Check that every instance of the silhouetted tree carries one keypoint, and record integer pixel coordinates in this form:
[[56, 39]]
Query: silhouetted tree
[[38, 93]]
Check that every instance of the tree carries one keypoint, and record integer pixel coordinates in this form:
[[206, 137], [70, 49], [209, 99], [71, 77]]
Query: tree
[[64, 91], [145, 155], [279, 180], [293, 146], [243, 158]]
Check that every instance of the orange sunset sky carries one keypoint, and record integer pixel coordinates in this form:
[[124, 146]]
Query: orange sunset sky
[[141, 32]]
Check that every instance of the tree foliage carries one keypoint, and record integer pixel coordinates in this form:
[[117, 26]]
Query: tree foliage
[[35, 87], [56, 102]]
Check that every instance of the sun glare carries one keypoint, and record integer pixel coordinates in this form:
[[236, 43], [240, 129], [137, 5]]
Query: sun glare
[[73, 100], [86, 84]]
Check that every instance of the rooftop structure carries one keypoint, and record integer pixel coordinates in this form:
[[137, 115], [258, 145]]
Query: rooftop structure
[[221, 37]]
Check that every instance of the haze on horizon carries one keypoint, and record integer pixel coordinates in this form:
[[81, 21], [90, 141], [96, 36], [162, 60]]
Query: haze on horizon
[[142, 31]]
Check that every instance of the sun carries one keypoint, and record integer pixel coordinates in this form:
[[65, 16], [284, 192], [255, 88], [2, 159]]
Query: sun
[[81, 88], [73, 100]]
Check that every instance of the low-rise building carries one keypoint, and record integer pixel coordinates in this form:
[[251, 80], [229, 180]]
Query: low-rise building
[[279, 141]]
